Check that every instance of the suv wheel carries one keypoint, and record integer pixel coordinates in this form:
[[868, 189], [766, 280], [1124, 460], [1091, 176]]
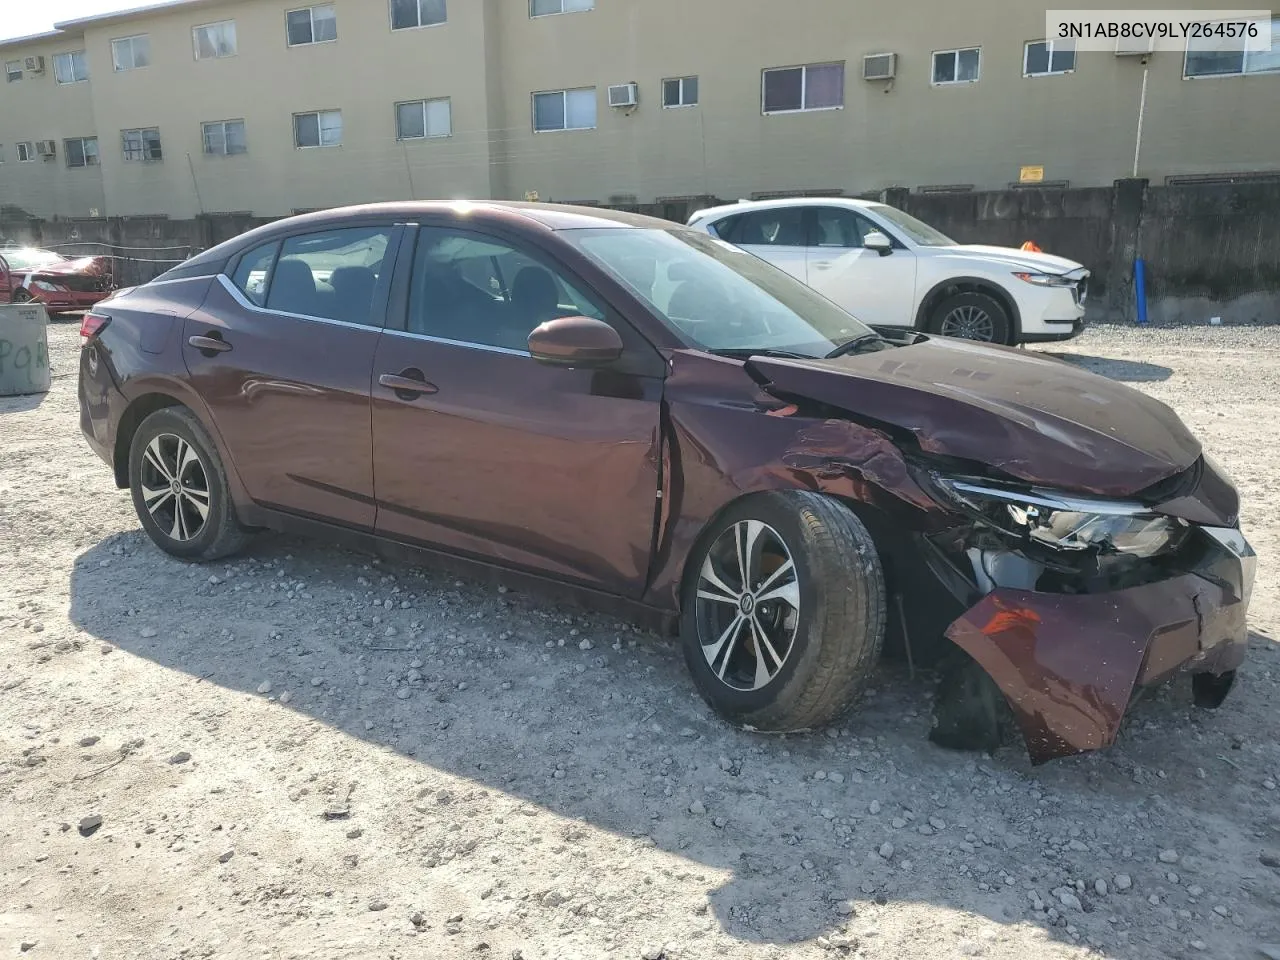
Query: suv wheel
[[972, 316], [783, 614]]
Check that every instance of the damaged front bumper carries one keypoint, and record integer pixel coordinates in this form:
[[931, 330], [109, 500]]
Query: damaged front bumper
[[1069, 664]]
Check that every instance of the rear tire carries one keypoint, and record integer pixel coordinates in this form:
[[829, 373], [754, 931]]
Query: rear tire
[[972, 316], [815, 617], [180, 490]]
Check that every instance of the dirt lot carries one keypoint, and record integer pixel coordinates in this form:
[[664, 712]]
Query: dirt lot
[[308, 753]]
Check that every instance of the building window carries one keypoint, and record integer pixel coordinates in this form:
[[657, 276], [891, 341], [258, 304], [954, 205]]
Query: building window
[[12, 70], [70, 67], [130, 53], [141, 144], [1043, 58], [564, 110], [957, 66], [311, 25], [546, 8], [224, 138], [214, 41], [817, 86], [24, 151], [423, 119], [680, 92], [81, 151], [322, 128], [1203, 62], [406, 14]]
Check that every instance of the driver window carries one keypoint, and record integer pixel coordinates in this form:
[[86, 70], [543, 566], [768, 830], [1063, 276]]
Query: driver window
[[775, 227], [471, 289], [835, 227]]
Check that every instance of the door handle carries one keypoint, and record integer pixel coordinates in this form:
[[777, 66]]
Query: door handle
[[824, 265], [408, 384], [209, 345]]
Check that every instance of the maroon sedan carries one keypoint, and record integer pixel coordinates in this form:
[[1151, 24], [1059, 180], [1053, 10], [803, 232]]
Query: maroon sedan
[[654, 419], [30, 274]]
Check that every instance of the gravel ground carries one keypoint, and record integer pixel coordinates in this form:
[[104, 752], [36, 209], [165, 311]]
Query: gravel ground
[[309, 753]]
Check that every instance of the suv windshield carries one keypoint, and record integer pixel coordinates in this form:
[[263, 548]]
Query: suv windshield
[[723, 299], [917, 231], [28, 258]]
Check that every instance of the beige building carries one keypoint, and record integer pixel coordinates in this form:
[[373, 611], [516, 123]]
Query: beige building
[[271, 106]]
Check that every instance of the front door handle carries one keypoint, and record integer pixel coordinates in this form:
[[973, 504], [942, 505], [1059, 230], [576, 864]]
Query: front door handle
[[209, 345], [407, 384]]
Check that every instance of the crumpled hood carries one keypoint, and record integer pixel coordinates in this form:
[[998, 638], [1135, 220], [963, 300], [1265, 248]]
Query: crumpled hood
[[1024, 260], [1041, 420], [90, 266]]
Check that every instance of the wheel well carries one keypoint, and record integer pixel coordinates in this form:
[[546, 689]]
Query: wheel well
[[134, 414], [951, 287]]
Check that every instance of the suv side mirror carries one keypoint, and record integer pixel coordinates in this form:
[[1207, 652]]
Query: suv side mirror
[[877, 241], [575, 342]]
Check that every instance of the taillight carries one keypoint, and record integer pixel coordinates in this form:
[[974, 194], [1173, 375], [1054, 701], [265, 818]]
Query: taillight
[[92, 325]]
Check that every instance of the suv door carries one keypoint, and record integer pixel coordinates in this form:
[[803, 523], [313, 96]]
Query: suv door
[[282, 351], [483, 450], [774, 234], [876, 289]]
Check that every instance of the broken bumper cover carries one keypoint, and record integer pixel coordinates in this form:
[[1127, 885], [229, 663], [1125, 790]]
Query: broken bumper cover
[[1068, 664]]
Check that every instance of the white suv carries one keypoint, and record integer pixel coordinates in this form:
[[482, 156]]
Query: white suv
[[888, 269]]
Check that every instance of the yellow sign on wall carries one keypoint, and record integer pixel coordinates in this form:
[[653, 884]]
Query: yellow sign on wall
[[1031, 175]]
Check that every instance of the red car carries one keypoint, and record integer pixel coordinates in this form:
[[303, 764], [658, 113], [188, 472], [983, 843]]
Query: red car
[[30, 274]]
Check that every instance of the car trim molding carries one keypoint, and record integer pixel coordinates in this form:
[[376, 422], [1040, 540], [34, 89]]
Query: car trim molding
[[248, 304], [488, 348]]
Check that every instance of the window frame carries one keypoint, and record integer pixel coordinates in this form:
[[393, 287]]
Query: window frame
[[1050, 50], [311, 9], [235, 40], [804, 87], [204, 142], [141, 131], [319, 144], [9, 71], [564, 99], [426, 135], [683, 102], [131, 40], [391, 18], [1244, 70], [561, 12], [24, 146], [955, 54], [71, 54], [84, 153]]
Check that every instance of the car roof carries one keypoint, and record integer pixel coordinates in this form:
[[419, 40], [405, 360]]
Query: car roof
[[743, 206]]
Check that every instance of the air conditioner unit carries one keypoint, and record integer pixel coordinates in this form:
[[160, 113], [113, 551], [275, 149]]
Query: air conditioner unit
[[1135, 46], [879, 66], [46, 148], [34, 64], [624, 95]]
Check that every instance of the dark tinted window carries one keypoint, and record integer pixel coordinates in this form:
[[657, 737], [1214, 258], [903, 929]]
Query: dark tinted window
[[473, 289], [331, 274], [836, 227], [255, 266], [776, 227]]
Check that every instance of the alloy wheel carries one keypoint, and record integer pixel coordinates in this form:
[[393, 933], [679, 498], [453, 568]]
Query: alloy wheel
[[748, 605], [969, 323], [175, 486]]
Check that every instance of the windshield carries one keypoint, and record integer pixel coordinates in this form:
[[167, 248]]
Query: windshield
[[721, 298], [917, 231], [29, 258]]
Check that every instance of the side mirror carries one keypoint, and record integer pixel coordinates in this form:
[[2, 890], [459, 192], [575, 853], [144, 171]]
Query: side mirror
[[877, 241], [575, 342]]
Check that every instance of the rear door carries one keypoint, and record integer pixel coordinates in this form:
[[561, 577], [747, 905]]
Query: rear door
[[282, 351], [876, 289], [493, 454], [774, 234]]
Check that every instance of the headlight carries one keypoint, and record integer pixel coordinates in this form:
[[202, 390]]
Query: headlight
[[1065, 522], [1046, 279], [48, 287]]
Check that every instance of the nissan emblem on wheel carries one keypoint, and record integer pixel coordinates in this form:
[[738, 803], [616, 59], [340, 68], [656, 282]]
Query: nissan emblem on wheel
[[656, 421]]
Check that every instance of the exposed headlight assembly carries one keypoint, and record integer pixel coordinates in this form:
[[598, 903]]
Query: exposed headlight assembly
[[1067, 523]]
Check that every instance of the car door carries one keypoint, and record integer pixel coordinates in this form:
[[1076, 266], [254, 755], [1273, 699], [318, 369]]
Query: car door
[[6, 281], [482, 450], [282, 352], [874, 288], [774, 234]]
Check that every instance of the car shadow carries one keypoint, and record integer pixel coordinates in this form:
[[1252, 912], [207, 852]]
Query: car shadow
[[21, 402], [1126, 371], [613, 712]]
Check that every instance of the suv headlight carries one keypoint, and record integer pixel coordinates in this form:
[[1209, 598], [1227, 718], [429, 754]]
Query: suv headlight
[[1046, 279], [1065, 522]]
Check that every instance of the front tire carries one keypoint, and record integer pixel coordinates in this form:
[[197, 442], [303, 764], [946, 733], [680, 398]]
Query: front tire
[[180, 490], [972, 316], [783, 612]]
